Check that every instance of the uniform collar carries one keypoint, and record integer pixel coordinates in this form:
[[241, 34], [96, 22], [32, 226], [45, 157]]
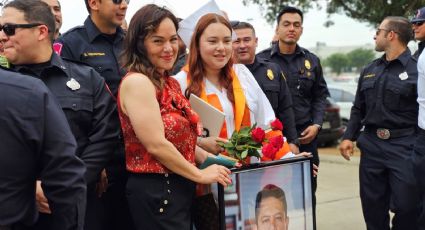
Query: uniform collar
[[403, 58], [55, 62], [58, 62], [93, 32], [421, 46], [257, 62], [275, 49]]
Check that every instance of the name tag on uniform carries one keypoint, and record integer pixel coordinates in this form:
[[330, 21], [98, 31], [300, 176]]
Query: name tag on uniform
[[403, 76], [93, 54]]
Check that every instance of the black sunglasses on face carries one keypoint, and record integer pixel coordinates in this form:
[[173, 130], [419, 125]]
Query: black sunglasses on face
[[418, 23], [10, 29], [234, 23], [120, 1]]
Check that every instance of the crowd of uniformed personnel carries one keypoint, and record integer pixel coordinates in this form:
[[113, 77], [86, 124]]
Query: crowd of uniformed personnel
[[62, 152]]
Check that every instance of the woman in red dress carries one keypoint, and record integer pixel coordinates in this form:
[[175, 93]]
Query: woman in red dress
[[159, 127]]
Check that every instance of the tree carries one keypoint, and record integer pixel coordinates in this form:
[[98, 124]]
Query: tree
[[370, 11], [358, 58], [337, 62]]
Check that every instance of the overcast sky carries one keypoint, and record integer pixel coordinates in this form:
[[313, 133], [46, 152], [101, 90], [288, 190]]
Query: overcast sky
[[344, 32]]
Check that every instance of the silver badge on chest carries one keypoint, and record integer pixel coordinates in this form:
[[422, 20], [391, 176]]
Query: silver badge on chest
[[403, 76], [73, 84]]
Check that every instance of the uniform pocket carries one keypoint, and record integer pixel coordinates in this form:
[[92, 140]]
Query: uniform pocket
[[272, 93], [392, 96], [79, 112], [306, 85], [367, 90]]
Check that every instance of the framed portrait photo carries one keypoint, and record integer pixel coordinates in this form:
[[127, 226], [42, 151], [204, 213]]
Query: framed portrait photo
[[271, 195]]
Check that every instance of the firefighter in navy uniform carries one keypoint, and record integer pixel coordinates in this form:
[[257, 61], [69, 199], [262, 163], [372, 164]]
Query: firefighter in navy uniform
[[305, 80], [418, 158], [88, 44], [36, 140], [385, 104], [81, 92], [269, 76], [99, 43]]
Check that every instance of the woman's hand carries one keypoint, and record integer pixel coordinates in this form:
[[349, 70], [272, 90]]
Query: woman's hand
[[210, 144], [215, 173]]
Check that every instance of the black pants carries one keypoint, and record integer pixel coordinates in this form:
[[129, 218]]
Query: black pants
[[160, 201], [312, 148], [387, 182], [93, 220], [418, 160], [117, 214]]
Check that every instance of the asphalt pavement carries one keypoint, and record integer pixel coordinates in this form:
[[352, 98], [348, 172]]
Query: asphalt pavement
[[338, 200]]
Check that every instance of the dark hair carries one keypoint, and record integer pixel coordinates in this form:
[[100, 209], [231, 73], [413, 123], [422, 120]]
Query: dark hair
[[196, 66], [35, 11], [289, 9], [402, 27], [144, 22], [87, 5], [270, 190], [237, 25]]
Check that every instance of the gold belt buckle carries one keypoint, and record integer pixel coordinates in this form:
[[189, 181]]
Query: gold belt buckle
[[383, 134]]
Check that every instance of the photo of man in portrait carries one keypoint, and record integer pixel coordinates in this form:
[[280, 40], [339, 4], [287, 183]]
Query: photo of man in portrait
[[271, 209]]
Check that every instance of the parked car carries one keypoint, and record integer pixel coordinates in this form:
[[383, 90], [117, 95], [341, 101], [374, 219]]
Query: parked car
[[344, 98], [332, 128]]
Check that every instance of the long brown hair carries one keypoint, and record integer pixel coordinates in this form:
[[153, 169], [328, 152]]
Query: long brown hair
[[196, 65], [135, 56]]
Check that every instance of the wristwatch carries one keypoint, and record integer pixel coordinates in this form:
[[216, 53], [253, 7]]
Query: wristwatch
[[318, 126]]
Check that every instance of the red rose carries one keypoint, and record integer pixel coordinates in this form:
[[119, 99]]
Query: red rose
[[276, 141], [276, 125], [269, 151], [258, 135]]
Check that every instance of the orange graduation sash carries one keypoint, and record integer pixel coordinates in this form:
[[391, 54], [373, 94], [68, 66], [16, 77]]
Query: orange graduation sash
[[240, 109]]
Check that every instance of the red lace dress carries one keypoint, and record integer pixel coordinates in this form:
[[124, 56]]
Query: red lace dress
[[179, 127]]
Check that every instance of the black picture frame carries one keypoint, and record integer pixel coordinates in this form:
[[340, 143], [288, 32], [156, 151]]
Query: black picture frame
[[293, 176]]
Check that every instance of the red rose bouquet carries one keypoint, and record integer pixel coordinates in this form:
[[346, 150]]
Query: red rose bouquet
[[249, 140], [245, 143]]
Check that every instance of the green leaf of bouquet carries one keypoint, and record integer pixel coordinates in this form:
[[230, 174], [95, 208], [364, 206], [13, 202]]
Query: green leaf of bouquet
[[253, 143], [254, 152], [245, 131], [240, 147], [228, 145], [231, 152], [244, 154]]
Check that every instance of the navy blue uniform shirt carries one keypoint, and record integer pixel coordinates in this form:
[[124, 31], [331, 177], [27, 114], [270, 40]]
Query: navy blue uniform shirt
[[305, 80], [36, 141], [88, 106], [418, 52], [386, 96], [102, 52], [270, 78]]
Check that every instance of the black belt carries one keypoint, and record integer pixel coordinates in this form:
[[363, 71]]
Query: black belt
[[385, 134]]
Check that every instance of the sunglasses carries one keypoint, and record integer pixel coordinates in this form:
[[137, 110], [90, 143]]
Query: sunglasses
[[10, 29], [234, 23], [117, 2], [418, 23]]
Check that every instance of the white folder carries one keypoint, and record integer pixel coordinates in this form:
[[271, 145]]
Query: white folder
[[212, 119]]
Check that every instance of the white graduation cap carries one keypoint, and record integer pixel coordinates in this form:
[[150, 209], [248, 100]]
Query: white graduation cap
[[187, 26]]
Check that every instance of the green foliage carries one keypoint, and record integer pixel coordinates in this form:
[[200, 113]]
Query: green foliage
[[241, 145], [357, 58], [370, 11], [360, 57], [338, 62], [271, 8]]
